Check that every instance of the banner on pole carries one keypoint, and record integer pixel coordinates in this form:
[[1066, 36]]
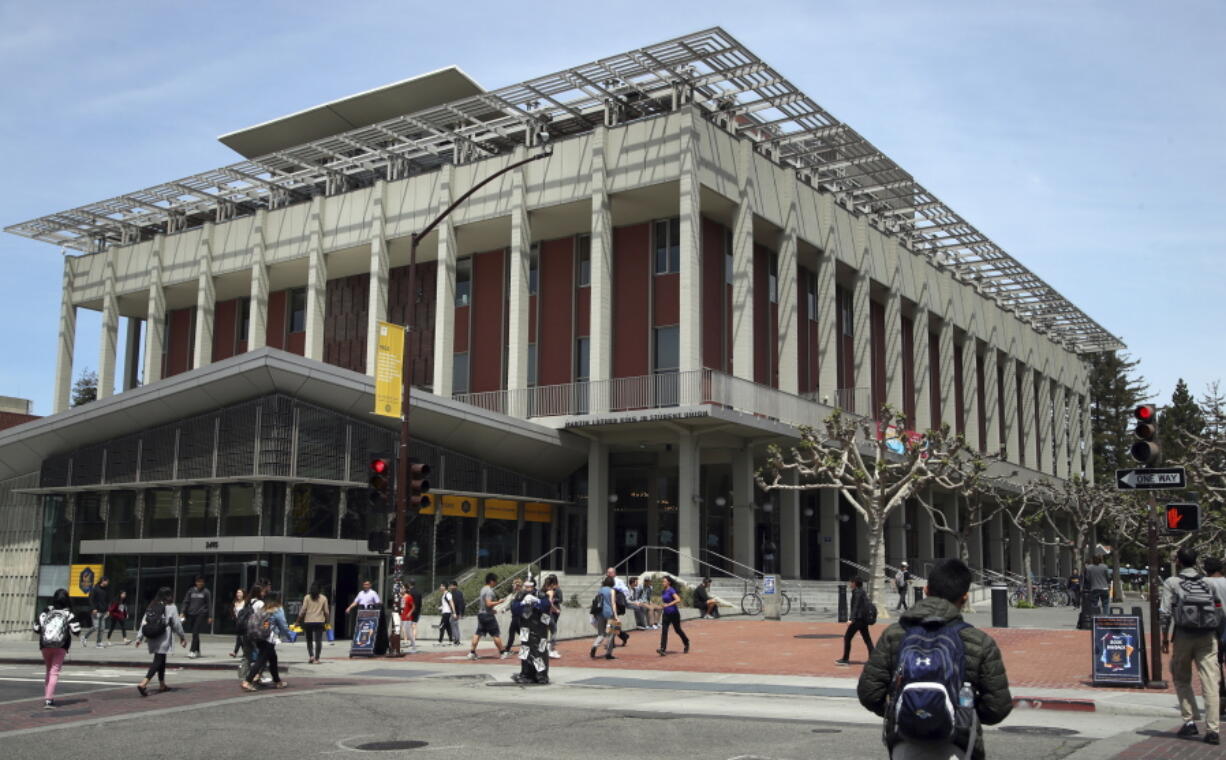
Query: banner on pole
[[389, 363]]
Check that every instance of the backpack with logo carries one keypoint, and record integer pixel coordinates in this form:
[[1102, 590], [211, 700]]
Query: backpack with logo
[[154, 624], [259, 626], [1195, 607], [923, 706], [55, 629]]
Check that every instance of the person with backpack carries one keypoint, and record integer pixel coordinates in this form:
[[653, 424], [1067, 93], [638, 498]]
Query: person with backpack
[[446, 608], [55, 628], [237, 603], [935, 678], [197, 613], [1215, 578], [117, 615], [604, 619], [99, 602], [254, 603], [902, 582], [670, 600], [161, 621], [621, 599], [266, 627], [862, 614], [1193, 605]]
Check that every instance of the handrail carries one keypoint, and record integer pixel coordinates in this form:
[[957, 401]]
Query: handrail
[[753, 571], [680, 555], [512, 576]]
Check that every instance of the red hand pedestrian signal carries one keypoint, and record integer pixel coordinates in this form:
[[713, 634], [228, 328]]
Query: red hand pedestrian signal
[[1182, 517]]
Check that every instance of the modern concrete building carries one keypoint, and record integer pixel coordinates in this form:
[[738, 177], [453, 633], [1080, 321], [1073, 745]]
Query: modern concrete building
[[607, 338]]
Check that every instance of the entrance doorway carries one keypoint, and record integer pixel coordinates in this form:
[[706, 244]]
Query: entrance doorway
[[323, 572]]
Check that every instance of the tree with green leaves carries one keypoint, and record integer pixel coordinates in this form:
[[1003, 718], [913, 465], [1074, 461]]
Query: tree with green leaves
[[85, 389], [873, 472], [1179, 423], [1114, 392]]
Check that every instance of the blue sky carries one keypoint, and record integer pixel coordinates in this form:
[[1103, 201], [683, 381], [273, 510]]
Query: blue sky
[[1084, 138]]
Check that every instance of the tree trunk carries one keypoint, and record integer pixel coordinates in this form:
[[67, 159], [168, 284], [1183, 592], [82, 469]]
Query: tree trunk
[[964, 554], [1026, 571], [876, 564]]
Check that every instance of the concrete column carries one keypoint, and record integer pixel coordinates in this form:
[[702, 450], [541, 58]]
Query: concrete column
[[206, 299], [1061, 423], [600, 370], [155, 315], [991, 400], [743, 507], [1087, 462], [828, 523], [257, 327], [597, 507], [1044, 431], [518, 296], [131, 355], [376, 304], [1051, 555], [317, 282], [689, 539], [974, 546], [945, 349], [110, 327], [927, 535], [827, 346], [1026, 427], [444, 300], [742, 269], [789, 530], [1075, 433], [1017, 548], [919, 341], [1009, 413], [690, 200], [893, 351], [994, 556], [970, 392], [67, 341], [861, 314], [896, 536], [789, 330]]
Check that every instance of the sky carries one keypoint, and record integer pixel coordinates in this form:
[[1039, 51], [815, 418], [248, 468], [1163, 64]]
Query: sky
[[1086, 139]]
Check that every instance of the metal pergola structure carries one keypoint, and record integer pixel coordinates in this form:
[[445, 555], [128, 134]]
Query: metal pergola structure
[[710, 68]]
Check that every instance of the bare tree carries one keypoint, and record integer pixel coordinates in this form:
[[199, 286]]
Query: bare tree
[[874, 472], [1068, 509]]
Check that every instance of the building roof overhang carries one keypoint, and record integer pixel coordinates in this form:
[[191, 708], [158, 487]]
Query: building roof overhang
[[519, 445]]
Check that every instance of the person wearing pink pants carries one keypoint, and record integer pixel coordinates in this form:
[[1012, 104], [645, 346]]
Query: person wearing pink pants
[[55, 628]]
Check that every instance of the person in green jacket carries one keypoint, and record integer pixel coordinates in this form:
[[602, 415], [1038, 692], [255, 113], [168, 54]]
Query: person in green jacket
[[946, 593]]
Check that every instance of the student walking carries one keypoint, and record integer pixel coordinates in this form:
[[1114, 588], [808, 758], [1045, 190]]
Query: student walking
[[512, 606], [312, 616], [254, 603], [670, 600], [266, 628], [1097, 580], [1194, 606], [1215, 578], [117, 615], [55, 628], [902, 583], [487, 622], [446, 607], [457, 612], [238, 602], [408, 616], [553, 592], [898, 683], [621, 599], [859, 621], [604, 619], [197, 613], [99, 602], [161, 621]]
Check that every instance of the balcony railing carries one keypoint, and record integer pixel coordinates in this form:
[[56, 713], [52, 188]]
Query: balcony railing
[[663, 390]]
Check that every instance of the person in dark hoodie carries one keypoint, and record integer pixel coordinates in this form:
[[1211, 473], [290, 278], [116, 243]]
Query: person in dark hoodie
[[197, 613], [857, 621], [946, 593]]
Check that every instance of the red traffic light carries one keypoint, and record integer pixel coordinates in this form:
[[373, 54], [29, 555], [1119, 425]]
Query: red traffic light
[[1144, 413], [378, 466]]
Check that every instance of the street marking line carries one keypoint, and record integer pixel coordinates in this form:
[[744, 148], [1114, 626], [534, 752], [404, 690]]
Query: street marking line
[[62, 680]]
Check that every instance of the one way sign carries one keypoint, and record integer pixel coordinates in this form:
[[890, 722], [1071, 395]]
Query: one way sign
[[1154, 479]]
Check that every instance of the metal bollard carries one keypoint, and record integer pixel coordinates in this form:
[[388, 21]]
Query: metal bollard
[[842, 602], [919, 594], [1000, 606]]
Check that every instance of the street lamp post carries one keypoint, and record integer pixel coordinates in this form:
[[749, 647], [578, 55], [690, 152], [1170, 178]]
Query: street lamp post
[[406, 375]]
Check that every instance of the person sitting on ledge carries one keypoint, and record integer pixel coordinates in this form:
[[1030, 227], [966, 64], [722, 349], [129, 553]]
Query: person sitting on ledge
[[708, 606]]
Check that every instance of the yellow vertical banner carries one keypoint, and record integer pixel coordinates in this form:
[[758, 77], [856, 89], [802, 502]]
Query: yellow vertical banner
[[389, 363]]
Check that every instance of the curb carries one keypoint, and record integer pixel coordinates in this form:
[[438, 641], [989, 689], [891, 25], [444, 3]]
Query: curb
[[184, 665], [1106, 707]]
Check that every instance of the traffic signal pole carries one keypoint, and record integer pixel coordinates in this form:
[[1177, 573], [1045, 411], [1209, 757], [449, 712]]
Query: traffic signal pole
[[1155, 623], [406, 380]]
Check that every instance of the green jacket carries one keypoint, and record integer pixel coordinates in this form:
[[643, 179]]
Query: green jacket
[[985, 670]]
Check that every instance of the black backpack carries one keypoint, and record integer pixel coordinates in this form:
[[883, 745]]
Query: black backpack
[[597, 607], [240, 617], [619, 601], [155, 621]]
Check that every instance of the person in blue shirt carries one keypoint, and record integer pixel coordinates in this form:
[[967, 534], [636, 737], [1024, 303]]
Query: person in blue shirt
[[671, 600], [605, 621], [266, 649]]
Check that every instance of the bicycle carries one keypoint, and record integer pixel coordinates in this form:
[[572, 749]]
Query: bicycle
[[751, 602]]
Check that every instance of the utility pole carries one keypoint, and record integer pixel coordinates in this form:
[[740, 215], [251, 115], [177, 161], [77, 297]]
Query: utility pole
[[406, 375], [1155, 634]]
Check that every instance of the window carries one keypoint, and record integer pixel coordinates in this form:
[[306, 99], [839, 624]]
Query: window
[[239, 516], [534, 269], [199, 513], [667, 356], [121, 514], [845, 309], [161, 513], [583, 272], [728, 263], [244, 319], [297, 310], [459, 373], [463, 281], [667, 233], [773, 277], [583, 357], [811, 296]]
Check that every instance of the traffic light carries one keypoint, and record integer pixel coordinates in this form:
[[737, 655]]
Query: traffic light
[[1145, 449], [379, 482], [1183, 517], [418, 486]]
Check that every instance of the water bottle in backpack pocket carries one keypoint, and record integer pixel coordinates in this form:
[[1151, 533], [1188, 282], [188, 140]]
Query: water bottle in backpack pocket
[[929, 699]]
